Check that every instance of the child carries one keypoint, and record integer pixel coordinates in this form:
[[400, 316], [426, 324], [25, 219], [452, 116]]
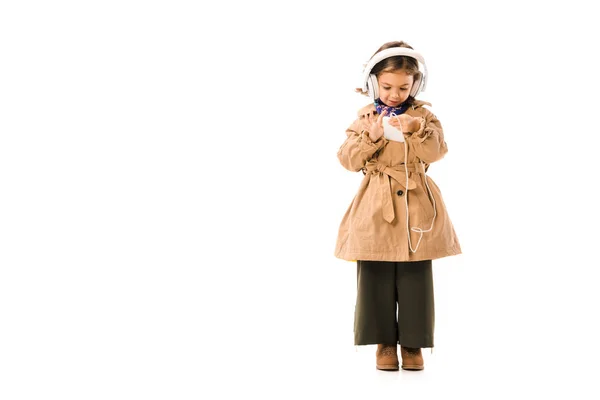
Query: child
[[397, 223]]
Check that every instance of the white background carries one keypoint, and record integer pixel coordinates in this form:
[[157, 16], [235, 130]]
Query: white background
[[170, 197]]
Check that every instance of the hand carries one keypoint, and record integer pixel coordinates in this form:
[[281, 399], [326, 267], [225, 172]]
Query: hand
[[405, 122], [375, 126]]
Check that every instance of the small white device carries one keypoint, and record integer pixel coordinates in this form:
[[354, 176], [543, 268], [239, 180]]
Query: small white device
[[391, 132]]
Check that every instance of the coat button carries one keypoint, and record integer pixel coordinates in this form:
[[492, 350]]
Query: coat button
[[399, 192]]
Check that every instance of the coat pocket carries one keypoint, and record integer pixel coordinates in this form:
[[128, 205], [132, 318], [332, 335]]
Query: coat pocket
[[424, 210]]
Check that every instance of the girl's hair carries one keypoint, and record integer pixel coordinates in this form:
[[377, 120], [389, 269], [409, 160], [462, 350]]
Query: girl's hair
[[395, 63]]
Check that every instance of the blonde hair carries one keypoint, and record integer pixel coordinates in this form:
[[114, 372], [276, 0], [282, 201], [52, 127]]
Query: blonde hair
[[395, 63]]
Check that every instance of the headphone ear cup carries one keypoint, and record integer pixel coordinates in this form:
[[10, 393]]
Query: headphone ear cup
[[416, 87], [373, 87]]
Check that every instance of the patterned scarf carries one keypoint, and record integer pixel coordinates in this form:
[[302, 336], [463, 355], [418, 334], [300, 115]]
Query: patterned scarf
[[391, 111]]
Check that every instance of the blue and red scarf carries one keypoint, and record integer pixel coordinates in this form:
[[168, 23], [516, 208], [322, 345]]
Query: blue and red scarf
[[391, 111]]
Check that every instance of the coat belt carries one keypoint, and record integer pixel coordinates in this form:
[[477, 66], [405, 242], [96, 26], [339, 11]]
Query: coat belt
[[384, 173]]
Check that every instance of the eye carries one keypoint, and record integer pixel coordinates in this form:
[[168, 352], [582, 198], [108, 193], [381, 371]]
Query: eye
[[386, 88]]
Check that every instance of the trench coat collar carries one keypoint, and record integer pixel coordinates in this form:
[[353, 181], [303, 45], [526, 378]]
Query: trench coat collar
[[369, 108]]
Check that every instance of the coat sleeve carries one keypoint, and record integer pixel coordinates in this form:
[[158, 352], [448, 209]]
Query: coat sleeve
[[358, 147], [428, 142]]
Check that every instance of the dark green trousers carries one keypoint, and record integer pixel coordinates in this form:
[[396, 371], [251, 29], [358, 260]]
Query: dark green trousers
[[394, 303]]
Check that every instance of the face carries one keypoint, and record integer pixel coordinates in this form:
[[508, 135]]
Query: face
[[394, 87]]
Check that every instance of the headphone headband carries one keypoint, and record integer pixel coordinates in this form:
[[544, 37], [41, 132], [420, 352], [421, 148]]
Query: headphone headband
[[394, 51]]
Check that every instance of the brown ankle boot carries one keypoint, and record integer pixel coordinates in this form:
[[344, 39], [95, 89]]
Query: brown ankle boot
[[387, 357], [412, 359]]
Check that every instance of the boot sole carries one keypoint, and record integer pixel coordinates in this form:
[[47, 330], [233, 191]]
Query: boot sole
[[387, 367], [413, 367]]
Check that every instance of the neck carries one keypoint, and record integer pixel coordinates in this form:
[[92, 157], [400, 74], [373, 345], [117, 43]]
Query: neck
[[381, 106]]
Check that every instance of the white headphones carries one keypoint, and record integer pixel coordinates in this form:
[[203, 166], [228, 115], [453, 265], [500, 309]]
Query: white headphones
[[370, 84]]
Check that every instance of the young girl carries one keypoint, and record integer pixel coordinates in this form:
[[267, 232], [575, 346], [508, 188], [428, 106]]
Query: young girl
[[397, 223]]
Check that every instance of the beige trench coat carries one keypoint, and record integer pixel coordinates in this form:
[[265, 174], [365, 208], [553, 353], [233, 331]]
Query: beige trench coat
[[374, 226]]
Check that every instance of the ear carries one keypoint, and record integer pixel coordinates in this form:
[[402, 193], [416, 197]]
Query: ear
[[373, 87], [416, 84]]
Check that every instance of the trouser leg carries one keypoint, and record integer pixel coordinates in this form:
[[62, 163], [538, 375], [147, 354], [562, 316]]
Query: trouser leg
[[375, 311], [416, 312]]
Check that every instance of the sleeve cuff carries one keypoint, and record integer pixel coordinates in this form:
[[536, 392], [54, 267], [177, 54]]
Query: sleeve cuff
[[422, 133], [367, 144]]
